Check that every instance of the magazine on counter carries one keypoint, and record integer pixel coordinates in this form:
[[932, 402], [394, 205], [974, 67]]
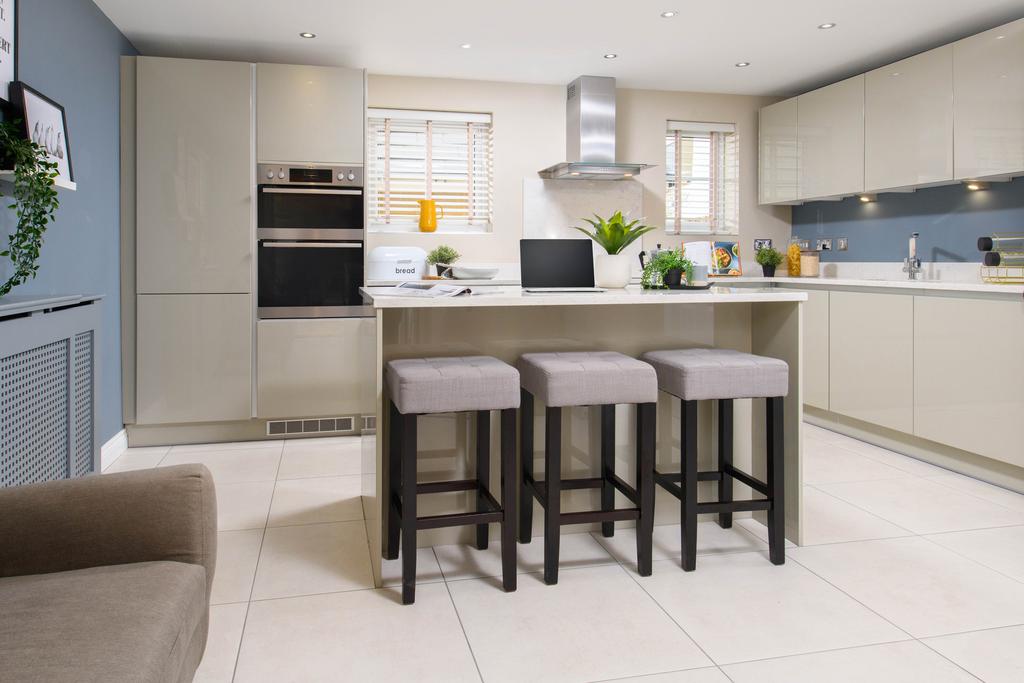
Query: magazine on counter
[[422, 289]]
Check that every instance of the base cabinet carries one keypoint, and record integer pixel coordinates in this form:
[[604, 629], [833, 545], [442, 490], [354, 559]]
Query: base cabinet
[[313, 368], [816, 349]]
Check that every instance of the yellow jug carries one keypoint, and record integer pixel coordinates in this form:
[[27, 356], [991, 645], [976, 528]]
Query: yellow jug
[[428, 215]]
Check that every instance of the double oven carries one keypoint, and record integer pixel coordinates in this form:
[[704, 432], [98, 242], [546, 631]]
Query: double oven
[[310, 241]]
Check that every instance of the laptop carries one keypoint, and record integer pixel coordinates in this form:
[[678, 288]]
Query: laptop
[[555, 265]]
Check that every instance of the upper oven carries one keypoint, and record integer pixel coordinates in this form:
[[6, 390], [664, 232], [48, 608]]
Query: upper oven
[[327, 199]]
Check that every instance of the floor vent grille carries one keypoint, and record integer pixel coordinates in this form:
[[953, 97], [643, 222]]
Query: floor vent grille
[[369, 424], [320, 425]]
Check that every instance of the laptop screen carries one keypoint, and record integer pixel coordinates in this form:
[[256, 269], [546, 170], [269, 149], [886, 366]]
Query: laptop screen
[[556, 263]]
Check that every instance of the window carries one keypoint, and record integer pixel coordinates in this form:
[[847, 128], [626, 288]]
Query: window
[[701, 178], [445, 156]]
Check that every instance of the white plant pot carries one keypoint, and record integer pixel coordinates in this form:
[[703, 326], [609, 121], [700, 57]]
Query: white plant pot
[[612, 271]]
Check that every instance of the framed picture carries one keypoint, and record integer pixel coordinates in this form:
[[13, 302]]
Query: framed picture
[[8, 47], [762, 244], [46, 125]]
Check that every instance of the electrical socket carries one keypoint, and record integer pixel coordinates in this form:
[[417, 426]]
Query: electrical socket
[[842, 244], [825, 244]]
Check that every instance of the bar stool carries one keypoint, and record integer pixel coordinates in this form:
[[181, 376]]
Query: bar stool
[[601, 378], [421, 386], [723, 374]]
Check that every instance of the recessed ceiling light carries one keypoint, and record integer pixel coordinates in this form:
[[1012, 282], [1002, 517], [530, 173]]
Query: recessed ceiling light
[[1000, 37], [611, 55], [668, 14], [742, 64], [895, 73], [307, 34], [466, 46], [827, 25]]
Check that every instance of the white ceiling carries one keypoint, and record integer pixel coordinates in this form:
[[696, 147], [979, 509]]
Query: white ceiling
[[553, 41]]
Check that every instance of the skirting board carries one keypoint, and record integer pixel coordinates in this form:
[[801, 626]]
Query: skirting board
[[112, 449]]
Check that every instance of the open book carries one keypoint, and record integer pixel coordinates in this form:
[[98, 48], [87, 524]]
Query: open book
[[423, 289]]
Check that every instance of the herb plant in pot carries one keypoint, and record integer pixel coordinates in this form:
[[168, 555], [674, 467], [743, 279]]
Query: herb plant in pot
[[612, 269], [769, 259], [668, 269], [442, 257]]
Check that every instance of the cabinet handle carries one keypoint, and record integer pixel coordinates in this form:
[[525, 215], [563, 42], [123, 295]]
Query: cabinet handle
[[308, 190], [314, 245]]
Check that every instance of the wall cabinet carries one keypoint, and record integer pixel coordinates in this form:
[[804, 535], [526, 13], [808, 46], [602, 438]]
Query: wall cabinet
[[988, 103], [816, 381], [908, 122], [313, 368], [194, 359], [778, 153], [831, 139], [194, 171], [310, 114], [969, 374], [871, 358]]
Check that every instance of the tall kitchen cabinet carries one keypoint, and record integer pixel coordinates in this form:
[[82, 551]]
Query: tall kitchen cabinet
[[193, 238]]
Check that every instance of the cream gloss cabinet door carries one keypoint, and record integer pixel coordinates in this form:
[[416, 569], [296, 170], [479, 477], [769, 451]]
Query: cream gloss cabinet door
[[988, 103], [871, 358], [816, 349], [831, 139], [314, 114], [194, 361], [194, 176], [778, 153], [313, 367], [908, 122], [969, 375]]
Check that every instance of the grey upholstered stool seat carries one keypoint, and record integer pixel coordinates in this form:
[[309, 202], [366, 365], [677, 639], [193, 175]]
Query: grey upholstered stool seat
[[452, 385], [699, 374], [587, 378]]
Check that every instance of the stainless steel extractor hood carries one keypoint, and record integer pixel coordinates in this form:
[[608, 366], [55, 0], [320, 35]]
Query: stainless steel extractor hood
[[590, 134]]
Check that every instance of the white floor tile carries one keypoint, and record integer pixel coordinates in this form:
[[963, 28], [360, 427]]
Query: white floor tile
[[243, 506], [709, 675], [983, 490], [328, 457], [138, 459], [1001, 549], [230, 445], [922, 506], [994, 656], [711, 540], [357, 636], [741, 607], [313, 558], [231, 465], [321, 499], [218, 665], [918, 585], [828, 519], [237, 553], [898, 460], [827, 463], [466, 562], [890, 663], [427, 569], [595, 624]]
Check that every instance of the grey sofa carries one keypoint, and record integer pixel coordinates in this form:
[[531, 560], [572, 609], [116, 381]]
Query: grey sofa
[[107, 578]]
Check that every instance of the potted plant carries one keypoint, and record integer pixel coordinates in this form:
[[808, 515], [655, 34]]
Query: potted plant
[[667, 269], [612, 269], [35, 201], [769, 258], [442, 257]]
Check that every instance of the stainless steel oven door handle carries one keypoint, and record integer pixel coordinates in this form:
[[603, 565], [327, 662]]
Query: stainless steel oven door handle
[[309, 190], [314, 245]]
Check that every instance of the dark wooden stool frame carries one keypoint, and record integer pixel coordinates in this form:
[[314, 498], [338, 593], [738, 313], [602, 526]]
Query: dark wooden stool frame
[[402, 488], [548, 492], [684, 484]]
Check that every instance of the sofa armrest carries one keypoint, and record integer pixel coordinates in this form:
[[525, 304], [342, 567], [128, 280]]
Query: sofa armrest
[[167, 513]]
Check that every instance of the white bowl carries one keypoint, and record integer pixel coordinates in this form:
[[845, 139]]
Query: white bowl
[[473, 272]]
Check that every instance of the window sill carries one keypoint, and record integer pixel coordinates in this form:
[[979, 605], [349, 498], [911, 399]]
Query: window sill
[[414, 230]]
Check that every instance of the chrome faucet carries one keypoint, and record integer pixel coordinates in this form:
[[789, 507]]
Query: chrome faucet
[[912, 264]]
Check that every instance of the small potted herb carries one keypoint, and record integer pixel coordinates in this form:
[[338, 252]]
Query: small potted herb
[[667, 269], [769, 258], [442, 257]]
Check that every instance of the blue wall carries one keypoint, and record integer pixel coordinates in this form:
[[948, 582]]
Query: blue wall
[[69, 50], [950, 220]]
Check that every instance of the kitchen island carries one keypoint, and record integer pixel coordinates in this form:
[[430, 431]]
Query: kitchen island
[[505, 322]]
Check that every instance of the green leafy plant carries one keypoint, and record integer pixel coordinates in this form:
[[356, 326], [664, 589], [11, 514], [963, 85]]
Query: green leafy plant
[[670, 259], [614, 234], [442, 254], [35, 201], [767, 256]]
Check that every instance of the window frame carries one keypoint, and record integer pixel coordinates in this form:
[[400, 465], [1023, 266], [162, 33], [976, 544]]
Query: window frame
[[722, 179]]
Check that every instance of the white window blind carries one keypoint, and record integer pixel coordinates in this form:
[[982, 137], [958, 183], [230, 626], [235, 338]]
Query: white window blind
[[702, 178], [444, 156]]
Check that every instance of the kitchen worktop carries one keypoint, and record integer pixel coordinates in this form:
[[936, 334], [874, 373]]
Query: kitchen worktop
[[933, 285]]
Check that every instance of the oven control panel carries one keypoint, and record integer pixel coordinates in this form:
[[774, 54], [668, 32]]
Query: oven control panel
[[303, 174]]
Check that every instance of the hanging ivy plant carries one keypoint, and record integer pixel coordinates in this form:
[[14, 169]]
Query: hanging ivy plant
[[35, 201]]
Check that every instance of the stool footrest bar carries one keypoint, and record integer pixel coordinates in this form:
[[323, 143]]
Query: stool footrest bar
[[447, 486], [458, 519], [593, 516], [741, 476]]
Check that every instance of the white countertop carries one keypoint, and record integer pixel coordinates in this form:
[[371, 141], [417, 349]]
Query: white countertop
[[934, 285], [515, 296]]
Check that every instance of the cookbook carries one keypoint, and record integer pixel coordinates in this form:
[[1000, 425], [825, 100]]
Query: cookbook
[[721, 258]]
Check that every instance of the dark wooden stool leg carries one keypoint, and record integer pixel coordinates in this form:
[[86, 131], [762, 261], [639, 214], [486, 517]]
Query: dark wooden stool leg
[[483, 471], [508, 499], [646, 416], [776, 481], [724, 459], [688, 441], [393, 483], [526, 464], [607, 466], [408, 509], [553, 487]]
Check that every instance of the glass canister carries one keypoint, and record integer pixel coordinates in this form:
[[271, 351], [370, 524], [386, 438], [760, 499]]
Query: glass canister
[[793, 258], [810, 262]]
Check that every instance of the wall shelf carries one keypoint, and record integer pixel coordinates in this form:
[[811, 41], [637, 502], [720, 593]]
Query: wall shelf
[[8, 177]]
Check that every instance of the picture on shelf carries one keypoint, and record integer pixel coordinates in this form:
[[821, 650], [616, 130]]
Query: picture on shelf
[[8, 47], [46, 125]]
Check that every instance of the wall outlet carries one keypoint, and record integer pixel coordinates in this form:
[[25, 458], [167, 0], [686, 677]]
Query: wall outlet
[[825, 244], [842, 244]]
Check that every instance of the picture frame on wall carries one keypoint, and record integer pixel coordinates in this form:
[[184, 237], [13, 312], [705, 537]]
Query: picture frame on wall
[[46, 124], [8, 48]]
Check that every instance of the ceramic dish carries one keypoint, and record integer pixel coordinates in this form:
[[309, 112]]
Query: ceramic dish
[[473, 272]]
